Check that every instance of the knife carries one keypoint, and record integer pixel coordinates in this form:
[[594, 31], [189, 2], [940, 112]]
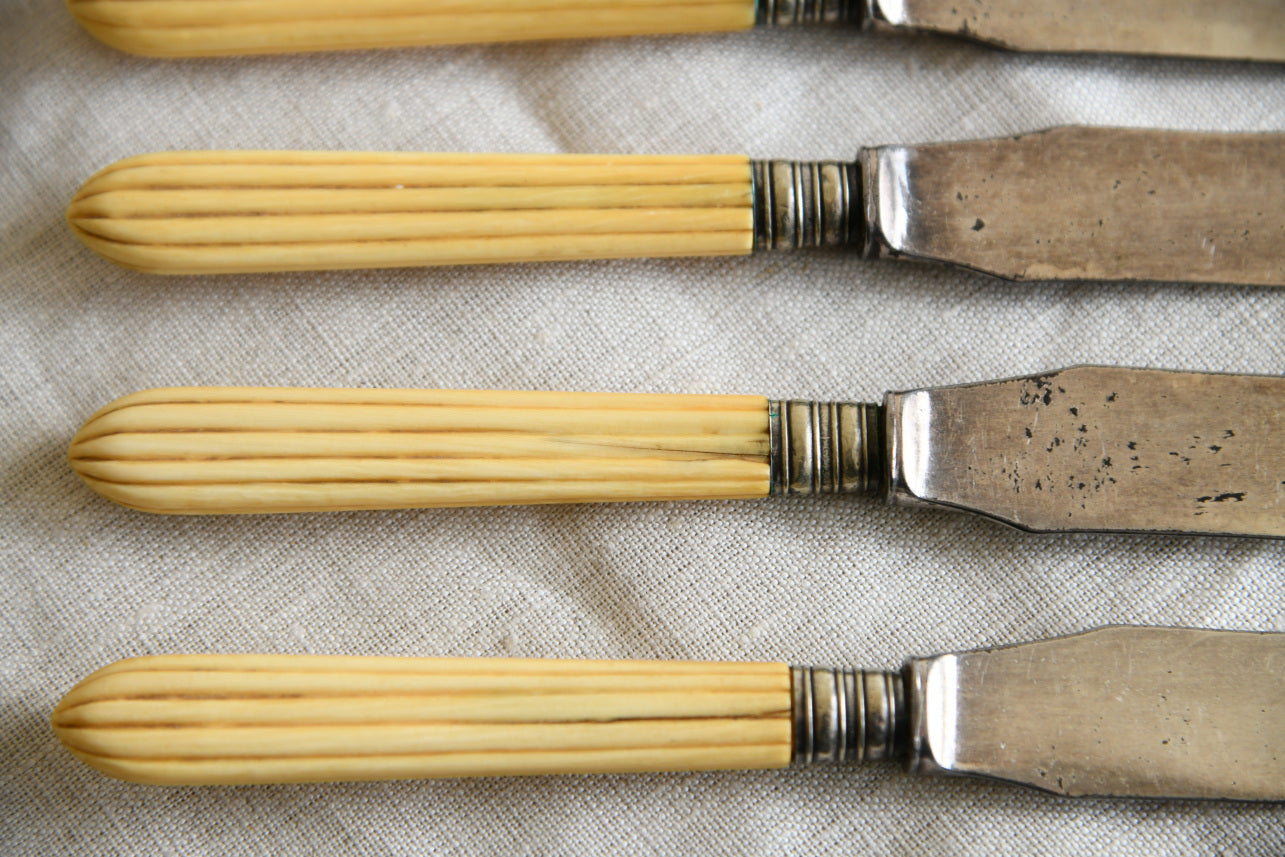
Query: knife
[[1245, 29], [1088, 448], [1120, 711], [1071, 203]]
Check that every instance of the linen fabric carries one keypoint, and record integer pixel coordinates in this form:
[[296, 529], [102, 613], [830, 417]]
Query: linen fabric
[[833, 581]]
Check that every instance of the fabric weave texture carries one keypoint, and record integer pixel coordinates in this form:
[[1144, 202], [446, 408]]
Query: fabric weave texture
[[833, 581]]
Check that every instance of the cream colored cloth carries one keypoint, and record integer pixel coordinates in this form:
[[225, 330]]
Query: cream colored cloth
[[835, 581]]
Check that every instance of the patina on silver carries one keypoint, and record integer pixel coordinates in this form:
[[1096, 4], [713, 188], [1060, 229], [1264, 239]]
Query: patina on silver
[[806, 204], [847, 715], [1101, 204], [825, 447], [1097, 448], [1116, 712], [1213, 29], [785, 13]]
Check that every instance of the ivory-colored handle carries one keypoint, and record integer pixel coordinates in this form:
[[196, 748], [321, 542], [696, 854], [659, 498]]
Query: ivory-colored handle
[[215, 450], [182, 28], [230, 212], [233, 719]]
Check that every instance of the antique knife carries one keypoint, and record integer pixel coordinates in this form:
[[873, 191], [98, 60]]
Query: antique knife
[[1066, 204], [1120, 712], [1244, 29], [1088, 448]]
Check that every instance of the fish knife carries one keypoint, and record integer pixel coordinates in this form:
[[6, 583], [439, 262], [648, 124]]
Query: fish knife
[[1072, 203], [1089, 448], [1120, 711], [1243, 29]]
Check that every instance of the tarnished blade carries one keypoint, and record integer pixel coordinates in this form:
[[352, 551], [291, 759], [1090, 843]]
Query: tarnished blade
[[1087, 204], [1216, 29], [1120, 711], [1098, 448]]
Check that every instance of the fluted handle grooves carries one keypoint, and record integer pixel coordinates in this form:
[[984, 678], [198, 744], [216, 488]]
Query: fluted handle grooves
[[825, 447], [240, 212], [180, 28], [240, 719], [848, 715], [807, 204], [783, 13], [212, 450]]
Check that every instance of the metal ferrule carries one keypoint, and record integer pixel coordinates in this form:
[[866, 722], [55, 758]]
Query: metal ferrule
[[847, 715], [783, 13], [807, 204], [825, 447]]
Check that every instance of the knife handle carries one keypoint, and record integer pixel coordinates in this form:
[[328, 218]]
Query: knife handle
[[229, 450], [222, 450], [226, 212], [233, 719], [183, 28]]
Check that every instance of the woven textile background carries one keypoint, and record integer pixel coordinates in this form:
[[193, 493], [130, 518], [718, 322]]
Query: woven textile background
[[831, 581]]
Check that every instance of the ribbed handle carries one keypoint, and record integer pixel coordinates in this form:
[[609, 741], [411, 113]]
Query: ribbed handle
[[230, 212], [233, 719], [180, 28], [214, 450]]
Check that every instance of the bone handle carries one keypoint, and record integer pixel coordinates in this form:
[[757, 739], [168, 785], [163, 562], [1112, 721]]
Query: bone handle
[[181, 28], [232, 719], [228, 212], [229, 450]]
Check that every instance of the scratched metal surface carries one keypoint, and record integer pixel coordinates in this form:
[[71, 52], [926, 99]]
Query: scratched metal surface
[[1158, 712], [1099, 448], [1249, 29], [1087, 204]]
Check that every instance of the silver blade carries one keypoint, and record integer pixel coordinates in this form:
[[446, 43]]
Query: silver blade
[[1087, 204], [1126, 712], [1098, 448], [1216, 29]]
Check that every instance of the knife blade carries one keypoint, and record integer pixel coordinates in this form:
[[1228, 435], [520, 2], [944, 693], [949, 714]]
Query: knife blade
[[1119, 711], [1070, 203], [1083, 449], [1246, 29]]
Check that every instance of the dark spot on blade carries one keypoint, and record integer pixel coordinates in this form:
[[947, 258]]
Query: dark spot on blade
[[979, 225]]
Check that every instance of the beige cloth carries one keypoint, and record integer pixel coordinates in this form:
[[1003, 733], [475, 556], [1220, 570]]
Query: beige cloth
[[836, 581]]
